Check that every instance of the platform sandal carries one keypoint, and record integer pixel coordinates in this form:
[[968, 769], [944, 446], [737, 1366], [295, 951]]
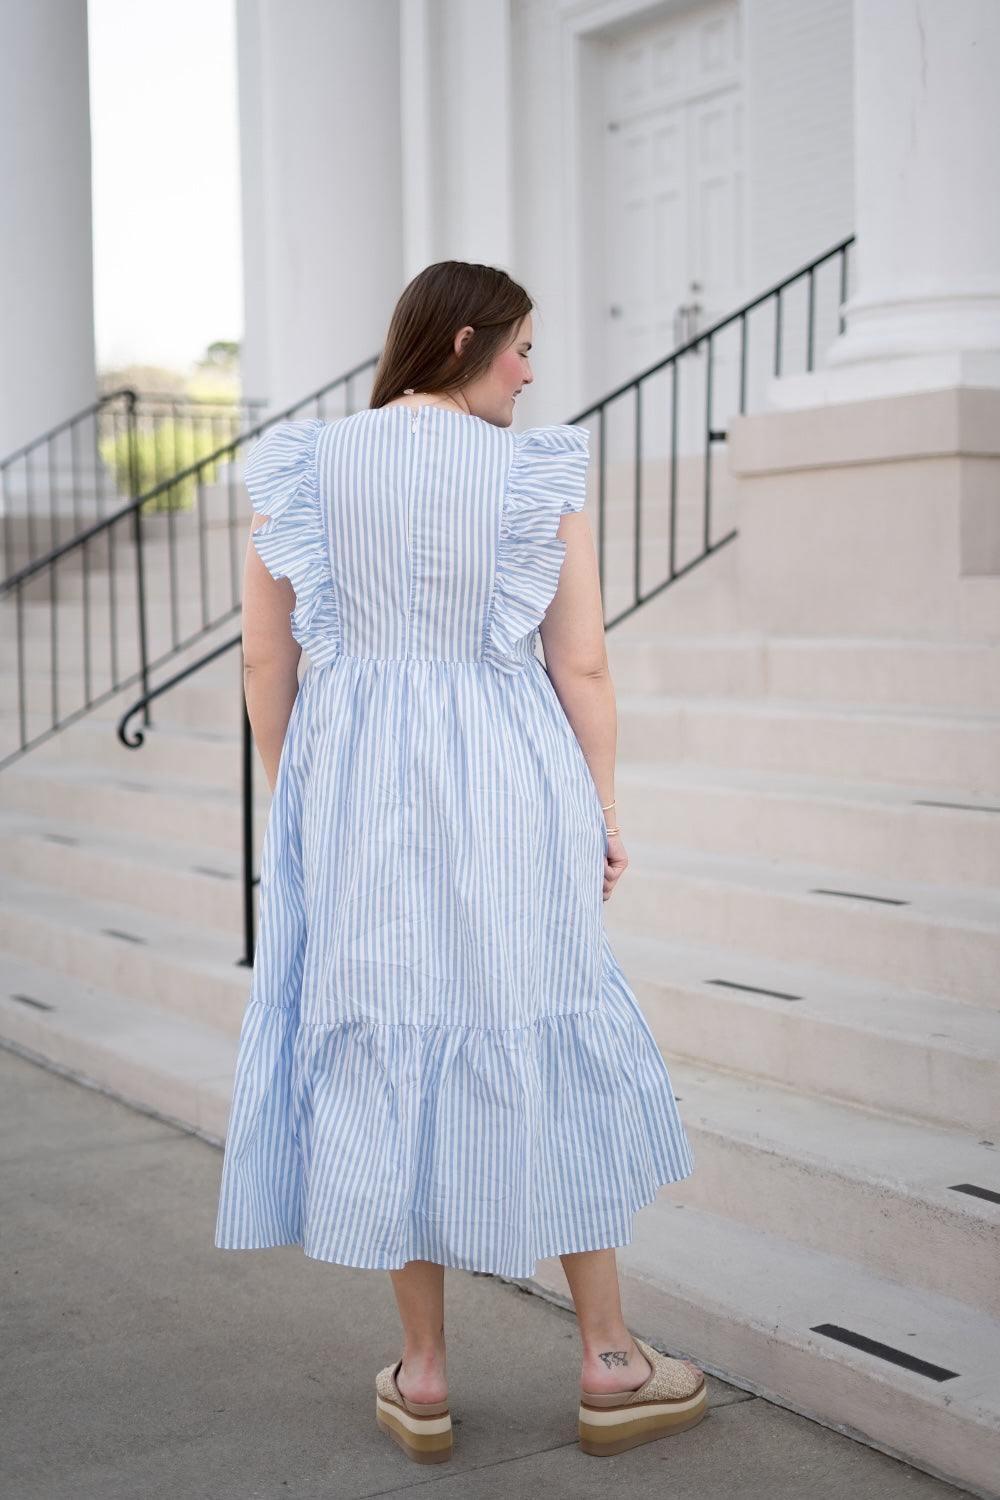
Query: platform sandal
[[673, 1399], [423, 1431]]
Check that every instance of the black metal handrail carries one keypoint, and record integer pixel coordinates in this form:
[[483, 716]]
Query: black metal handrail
[[104, 631], [134, 738], [120, 445], [713, 435], [657, 435]]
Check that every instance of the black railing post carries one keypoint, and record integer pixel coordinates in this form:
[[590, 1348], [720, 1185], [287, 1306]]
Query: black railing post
[[602, 501], [843, 286], [140, 565], [248, 877], [674, 378], [811, 320]]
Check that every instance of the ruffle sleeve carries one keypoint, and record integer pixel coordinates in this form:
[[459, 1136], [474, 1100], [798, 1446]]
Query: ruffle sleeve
[[281, 477], [546, 480]]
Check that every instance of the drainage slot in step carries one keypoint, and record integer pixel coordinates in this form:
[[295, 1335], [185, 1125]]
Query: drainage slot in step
[[30, 1000], [959, 806], [126, 937], [752, 989], [975, 1192], [884, 1351], [819, 890]]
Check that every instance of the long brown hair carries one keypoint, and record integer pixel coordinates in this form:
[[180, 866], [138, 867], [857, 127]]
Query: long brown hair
[[419, 351]]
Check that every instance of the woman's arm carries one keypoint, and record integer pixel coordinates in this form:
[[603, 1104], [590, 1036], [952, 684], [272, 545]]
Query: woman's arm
[[577, 663], [270, 656]]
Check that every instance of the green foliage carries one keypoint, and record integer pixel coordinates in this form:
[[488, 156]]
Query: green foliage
[[163, 448]]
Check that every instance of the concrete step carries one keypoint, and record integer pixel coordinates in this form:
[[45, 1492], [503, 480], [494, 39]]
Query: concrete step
[[165, 965], [882, 830], [176, 1067], [882, 1191], [951, 752], [129, 795], [751, 1304], [910, 936], [906, 1052], [201, 886], [210, 757], [961, 676]]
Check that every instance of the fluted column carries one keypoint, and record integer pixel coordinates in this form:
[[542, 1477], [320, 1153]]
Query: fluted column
[[46, 257], [925, 306], [322, 223]]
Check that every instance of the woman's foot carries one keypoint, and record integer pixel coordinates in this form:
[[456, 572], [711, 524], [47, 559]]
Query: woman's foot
[[423, 1379], [608, 1371], [672, 1399]]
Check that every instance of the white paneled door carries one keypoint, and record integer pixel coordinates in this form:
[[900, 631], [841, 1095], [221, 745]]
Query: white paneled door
[[673, 217]]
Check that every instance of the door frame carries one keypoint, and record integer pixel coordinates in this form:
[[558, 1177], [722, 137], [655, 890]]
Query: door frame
[[586, 26]]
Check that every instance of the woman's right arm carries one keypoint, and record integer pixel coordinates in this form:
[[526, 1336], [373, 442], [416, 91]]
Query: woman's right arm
[[270, 656], [576, 660]]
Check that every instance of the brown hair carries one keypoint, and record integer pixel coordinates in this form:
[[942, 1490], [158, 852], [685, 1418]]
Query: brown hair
[[419, 351]]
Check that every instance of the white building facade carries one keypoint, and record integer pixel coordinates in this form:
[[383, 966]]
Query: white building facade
[[642, 168]]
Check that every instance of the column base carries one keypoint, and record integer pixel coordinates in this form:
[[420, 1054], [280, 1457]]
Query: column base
[[873, 518], [970, 368]]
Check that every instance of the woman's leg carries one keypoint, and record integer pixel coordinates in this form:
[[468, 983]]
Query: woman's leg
[[611, 1361], [419, 1289]]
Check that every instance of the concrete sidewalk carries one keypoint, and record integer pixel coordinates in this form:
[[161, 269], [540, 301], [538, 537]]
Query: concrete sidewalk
[[139, 1363]]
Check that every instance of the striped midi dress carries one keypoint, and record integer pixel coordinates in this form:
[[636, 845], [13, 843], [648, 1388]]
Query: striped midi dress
[[441, 1059]]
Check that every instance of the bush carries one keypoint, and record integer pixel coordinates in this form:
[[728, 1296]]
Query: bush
[[165, 446]]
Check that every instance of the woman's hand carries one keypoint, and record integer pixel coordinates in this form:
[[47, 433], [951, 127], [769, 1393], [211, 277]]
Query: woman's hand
[[615, 863]]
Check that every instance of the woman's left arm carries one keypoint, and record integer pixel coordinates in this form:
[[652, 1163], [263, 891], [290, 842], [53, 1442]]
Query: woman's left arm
[[270, 656]]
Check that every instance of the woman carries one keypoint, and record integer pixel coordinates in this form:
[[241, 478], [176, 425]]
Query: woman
[[441, 1062]]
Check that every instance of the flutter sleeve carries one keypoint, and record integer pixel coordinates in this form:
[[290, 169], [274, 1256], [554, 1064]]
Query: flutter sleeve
[[547, 479], [281, 476]]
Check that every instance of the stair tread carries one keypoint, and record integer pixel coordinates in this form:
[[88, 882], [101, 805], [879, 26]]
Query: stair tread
[[787, 1290], [903, 1156], [792, 785], [139, 849], [182, 942], [862, 1005], [123, 1024], [765, 707], [118, 777], [163, 1062], [965, 907]]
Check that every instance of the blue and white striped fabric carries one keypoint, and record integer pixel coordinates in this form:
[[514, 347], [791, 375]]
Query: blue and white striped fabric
[[441, 1059]]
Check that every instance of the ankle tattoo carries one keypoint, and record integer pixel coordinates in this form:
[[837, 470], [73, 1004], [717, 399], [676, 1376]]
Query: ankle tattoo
[[612, 1357]]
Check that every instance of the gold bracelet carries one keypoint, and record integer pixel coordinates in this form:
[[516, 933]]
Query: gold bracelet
[[611, 804], [610, 831]]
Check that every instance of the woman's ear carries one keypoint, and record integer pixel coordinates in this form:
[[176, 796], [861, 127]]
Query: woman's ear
[[462, 337]]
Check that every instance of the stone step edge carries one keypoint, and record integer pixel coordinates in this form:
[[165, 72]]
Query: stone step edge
[[763, 1351], [152, 1061]]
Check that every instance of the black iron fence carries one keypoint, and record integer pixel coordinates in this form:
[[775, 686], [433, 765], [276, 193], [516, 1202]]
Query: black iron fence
[[109, 606], [657, 491], [662, 497], [116, 449], [657, 441]]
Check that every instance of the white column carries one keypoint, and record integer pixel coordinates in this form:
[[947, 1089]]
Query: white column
[[480, 123], [46, 257], [925, 309], [417, 93], [320, 134]]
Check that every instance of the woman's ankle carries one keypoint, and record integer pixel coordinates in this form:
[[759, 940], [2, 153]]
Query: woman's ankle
[[424, 1377], [616, 1365]]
